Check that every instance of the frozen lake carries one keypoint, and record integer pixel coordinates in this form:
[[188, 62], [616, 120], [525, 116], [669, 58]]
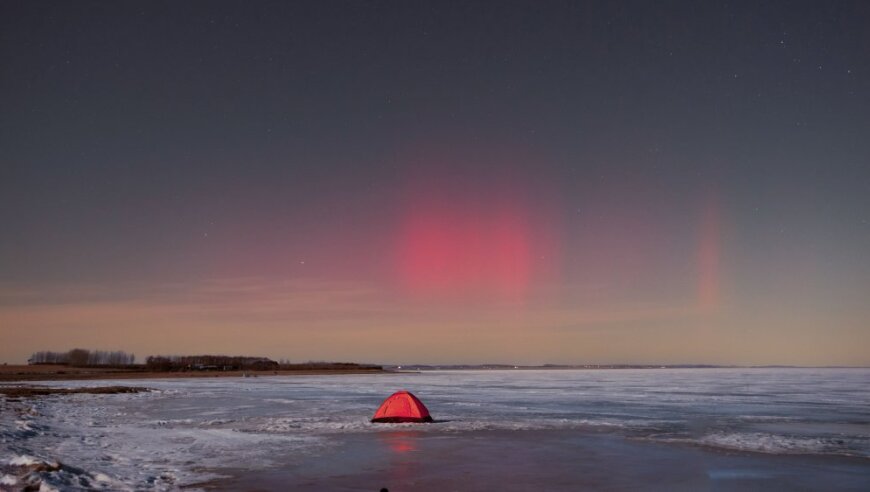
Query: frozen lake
[[730, 424]]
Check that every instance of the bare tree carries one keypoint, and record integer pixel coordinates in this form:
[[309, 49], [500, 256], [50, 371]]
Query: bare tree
[[81, 357]]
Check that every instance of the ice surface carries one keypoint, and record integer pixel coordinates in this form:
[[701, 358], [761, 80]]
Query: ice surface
[[24, 460], [777, 444], [187, 431]]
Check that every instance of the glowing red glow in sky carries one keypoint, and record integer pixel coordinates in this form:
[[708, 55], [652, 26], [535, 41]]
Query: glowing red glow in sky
[[482, 243], [466, 248]]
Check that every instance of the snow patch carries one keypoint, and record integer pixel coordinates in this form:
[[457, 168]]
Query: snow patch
[[24, 460]]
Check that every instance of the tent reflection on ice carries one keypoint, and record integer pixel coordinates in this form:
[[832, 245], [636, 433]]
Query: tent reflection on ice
[[402, 406]]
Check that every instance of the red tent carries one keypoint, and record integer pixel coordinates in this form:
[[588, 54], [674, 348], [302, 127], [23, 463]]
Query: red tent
[[402, 406]]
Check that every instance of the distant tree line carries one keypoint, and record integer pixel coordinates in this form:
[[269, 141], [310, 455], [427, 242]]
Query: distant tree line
[[165, 363], [208, 363], [83, 358], [327, 366]]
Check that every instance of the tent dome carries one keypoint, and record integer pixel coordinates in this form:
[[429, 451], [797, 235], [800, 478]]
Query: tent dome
[[402, 406]]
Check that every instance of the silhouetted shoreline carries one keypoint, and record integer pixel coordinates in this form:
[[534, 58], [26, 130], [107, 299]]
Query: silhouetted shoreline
[[12, 373]]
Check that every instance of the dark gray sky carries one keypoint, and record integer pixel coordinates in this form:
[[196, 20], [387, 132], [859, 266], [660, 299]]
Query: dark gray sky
[[704, 158]]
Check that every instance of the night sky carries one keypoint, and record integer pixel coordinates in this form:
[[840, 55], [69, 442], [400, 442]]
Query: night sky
[[437, 182]]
